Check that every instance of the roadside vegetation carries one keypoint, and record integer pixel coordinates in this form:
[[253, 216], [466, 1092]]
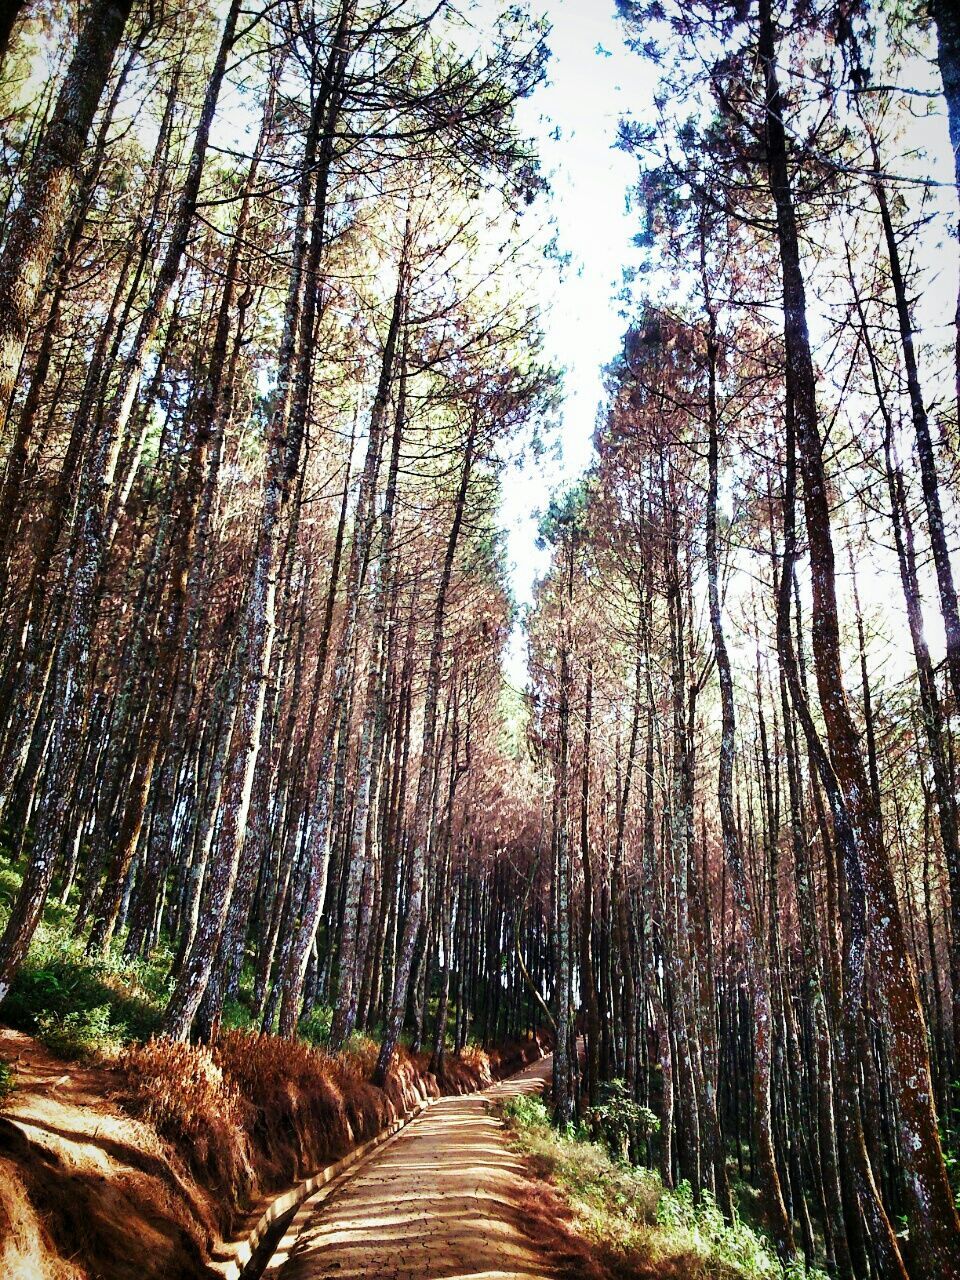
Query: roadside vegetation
[[636, 1226], [8, 1082]]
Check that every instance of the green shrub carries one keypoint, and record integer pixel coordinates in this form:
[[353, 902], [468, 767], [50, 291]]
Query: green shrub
[[57, 977], [81, 1033], [527, 1111], [8, 1082], [236, 1015], [315, 1027], [950, 1141], [734, 1244], [621, 1120]]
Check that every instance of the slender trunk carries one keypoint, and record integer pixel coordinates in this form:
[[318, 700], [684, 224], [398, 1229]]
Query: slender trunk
[[52, 180], [935, 1228]]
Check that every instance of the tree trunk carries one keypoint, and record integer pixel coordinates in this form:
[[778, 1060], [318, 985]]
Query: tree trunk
[[54, 173], [935, 1227]]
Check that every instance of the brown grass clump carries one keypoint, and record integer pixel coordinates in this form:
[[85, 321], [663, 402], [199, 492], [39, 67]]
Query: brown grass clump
[[472, 1069], [62, 1218], [515, 1055], [310, 1108], [359, 1056], [182, 1091], [26, 1247], [410, 1081], [86, 1191], [369, 1108], [475, 1068]]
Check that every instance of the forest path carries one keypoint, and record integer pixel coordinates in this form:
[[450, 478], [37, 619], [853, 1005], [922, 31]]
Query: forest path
[[441, 1201]]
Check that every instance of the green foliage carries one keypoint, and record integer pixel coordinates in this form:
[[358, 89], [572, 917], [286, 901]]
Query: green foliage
[[513, 722], [58, 981], [9, 883], [733, 1244], [237, 1015], [621, 1120], [527, 1111], [950, 1141], [626, 1210], [564, 516], [82, 1033], [315, 1027], [8, 1082]]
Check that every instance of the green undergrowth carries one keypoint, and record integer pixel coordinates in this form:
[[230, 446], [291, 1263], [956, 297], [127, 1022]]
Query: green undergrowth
[[8, 1082], [83, 1006], [950, 1138], [632, 1218], [87, 1007], [316, 1026], [80, 1006]]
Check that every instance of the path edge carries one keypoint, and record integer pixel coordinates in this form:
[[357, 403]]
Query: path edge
[[236, 1254], [239, 1252]]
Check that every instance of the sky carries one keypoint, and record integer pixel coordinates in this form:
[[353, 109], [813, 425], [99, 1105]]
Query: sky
[[592, 80]]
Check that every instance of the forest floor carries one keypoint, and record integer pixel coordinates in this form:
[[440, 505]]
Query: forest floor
[[80, 1179], [446, 1197]]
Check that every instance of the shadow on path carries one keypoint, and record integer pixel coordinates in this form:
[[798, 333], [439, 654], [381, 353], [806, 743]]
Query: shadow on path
[[441, 1202]]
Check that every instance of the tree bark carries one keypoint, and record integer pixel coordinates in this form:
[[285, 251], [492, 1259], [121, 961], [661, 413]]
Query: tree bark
[[54, 173]]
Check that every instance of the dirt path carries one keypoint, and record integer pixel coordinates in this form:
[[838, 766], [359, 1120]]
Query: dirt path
[[442, 1200]]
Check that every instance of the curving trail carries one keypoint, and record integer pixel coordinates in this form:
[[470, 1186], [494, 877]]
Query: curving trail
[[441, 1201]]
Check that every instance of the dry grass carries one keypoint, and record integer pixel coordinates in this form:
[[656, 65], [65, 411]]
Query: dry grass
[[310, 1107], [547, 1218], [475, 1068], [255, 1113], [183, 1092]]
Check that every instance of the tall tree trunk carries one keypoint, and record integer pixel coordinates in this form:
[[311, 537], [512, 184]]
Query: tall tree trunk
[[935, 1228], [947, 20], [54, 173]]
